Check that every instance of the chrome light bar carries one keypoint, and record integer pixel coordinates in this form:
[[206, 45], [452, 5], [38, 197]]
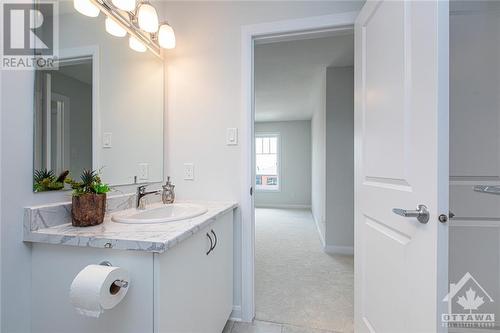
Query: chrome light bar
[[127, 21]]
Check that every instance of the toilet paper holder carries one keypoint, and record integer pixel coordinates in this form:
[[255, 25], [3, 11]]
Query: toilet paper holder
[[117, 283]]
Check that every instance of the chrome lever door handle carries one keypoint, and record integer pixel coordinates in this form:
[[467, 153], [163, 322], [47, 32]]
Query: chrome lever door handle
[[422, 214]]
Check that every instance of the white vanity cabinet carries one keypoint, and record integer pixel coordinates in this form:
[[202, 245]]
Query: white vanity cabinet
[[205, 281], [181, 290]]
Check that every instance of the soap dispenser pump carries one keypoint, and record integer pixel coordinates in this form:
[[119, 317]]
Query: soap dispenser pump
[[168, 194]]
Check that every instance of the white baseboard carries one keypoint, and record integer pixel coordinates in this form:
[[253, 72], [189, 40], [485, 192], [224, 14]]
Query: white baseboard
[[282, 206], [333, 249], [236, 313], [321, 237]]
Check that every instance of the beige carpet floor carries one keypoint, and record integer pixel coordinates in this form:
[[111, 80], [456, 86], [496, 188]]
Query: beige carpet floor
[[296, 283]]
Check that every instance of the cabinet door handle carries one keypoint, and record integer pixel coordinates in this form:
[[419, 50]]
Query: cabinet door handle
[[215, 236], [211, 244]]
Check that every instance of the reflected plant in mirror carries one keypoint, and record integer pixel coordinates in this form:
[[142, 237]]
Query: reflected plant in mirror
[[45, 180]]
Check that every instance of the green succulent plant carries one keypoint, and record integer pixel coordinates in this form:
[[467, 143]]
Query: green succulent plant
[[45, 180], [90, 183]]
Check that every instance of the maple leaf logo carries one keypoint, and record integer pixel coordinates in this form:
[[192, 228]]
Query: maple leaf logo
[[470, 301]]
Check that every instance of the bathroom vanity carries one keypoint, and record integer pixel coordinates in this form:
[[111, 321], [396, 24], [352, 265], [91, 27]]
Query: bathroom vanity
[[181, 272]]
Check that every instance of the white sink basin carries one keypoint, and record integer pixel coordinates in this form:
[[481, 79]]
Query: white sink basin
[[159, 214]]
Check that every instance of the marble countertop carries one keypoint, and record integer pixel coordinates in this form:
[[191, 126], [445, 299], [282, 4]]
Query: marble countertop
[[51, 224]]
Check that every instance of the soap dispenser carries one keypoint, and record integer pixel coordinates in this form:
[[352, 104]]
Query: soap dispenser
[[168, 194]]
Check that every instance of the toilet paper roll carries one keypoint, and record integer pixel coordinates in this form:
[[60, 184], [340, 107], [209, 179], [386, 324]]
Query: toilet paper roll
[[92, 291]]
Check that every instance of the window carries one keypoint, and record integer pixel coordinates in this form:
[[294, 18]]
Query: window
[[267, 162]]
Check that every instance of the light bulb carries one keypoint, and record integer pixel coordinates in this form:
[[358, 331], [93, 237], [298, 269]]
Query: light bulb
[[166, 36], [114, 28], [126, 5], [147, 17], [86, 8], [136, 45]]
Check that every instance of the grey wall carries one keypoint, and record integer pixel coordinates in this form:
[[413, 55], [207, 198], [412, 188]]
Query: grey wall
[[339, 159], [295, 169]]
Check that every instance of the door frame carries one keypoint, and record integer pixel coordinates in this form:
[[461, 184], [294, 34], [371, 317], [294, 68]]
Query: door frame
[[249, 33]]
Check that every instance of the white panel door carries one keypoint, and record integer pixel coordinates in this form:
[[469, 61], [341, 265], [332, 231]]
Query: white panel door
[[401, 153]]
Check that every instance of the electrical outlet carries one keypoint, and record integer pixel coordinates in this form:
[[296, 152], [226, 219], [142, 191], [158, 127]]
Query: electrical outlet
[[188, 171], [143, 171]]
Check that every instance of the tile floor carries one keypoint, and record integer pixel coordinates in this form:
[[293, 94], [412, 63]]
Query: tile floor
[[267, 327]]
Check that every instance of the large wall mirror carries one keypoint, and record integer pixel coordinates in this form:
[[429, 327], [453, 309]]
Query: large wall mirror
[[102, 109]]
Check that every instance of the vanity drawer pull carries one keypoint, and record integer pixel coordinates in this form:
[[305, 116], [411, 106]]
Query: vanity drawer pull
[[215, 236], [211, 244]]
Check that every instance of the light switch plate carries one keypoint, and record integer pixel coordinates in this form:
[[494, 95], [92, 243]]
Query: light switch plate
[[188, 171], [106, 139], [232, 137], [143, 171]]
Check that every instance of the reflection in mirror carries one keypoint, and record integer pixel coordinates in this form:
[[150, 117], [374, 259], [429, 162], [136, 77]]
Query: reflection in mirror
[[63, 119], [102, 109]]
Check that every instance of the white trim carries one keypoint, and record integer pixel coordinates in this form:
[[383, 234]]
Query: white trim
[[248, 34], [236, 313], [282, 206], [336, 249], [1, 187], [317, 223]]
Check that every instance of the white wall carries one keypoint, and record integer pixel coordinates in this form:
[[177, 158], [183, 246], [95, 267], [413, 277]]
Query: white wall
[[339, 159], [295, 164], [204, 92]]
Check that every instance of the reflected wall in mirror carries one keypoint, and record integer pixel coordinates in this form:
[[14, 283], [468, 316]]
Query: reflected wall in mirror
[[102, 109]]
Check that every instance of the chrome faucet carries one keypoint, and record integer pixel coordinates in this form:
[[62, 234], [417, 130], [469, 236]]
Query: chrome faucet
[[168, 194], [141, 193]]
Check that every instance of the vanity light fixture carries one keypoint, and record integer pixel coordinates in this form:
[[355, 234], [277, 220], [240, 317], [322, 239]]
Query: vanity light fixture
[[140, 21], [114, 28], [166, 36], [86, 7], [126, 5], [147, 17], [136, 45]]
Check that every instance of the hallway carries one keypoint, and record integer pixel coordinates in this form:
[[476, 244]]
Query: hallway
[[296, 282]]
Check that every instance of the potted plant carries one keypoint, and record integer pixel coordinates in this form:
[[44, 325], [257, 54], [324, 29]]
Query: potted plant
[[89, 200]]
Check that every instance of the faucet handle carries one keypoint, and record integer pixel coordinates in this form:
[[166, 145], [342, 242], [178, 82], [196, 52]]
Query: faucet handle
[[141, 189], [168, 184]]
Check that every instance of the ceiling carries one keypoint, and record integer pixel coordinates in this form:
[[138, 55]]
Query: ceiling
[[288, 74], [81, 71]]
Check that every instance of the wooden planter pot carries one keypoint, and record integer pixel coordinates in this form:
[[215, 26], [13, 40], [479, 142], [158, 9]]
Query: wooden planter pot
[[88, 209]]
